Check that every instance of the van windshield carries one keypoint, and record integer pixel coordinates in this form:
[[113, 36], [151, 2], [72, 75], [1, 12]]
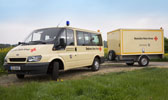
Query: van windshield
[[43, 36]]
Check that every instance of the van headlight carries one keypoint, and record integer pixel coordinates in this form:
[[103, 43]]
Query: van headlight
[[34, 58]]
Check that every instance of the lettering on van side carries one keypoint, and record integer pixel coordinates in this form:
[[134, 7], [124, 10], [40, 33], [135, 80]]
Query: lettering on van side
[[87, 48], [25, 49]]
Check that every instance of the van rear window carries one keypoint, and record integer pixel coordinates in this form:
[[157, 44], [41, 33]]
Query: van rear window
[[88, 39]]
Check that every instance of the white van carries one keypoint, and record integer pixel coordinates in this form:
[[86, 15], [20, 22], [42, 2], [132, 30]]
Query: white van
[[48, 50]]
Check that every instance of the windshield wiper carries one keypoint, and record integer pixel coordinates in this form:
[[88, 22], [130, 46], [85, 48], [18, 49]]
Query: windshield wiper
[[41, 42], [23, 43]]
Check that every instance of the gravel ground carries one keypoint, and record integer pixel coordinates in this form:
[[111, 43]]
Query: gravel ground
[[78, 73]]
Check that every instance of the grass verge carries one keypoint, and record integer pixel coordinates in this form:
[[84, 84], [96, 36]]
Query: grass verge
[[162, 60], [144, 84]]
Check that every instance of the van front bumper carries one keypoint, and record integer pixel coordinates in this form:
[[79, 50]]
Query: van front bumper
[[28, 68]]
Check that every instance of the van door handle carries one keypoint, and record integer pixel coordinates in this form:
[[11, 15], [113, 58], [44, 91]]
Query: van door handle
[[75, 49]]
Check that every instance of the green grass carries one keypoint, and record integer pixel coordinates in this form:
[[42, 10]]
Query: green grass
[[144, 84], [164, 59]]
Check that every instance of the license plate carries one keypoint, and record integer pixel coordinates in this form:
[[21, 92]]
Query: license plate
[[15, 68]]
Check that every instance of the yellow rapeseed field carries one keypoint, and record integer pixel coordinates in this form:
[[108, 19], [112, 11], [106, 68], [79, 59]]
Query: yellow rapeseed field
[[4, 50], [166, 54]]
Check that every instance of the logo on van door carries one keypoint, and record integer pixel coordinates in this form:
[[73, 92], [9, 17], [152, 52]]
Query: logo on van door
[[100, 48]]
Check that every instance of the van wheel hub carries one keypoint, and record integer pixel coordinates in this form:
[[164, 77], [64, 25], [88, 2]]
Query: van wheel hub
[[96, 64]]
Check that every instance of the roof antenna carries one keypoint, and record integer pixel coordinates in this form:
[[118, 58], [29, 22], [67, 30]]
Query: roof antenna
[[60, 22]]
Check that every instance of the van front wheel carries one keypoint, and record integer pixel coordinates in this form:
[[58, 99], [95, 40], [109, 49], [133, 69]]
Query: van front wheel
[[96, 65], [55, 71]]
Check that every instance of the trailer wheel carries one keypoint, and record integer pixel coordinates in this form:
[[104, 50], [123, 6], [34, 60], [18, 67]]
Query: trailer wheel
[[143, 61], [130, 64], [20, 76], [55, 71], [95, 65], [111, 55]]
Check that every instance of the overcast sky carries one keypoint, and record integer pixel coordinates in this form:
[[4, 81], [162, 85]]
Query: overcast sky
[[19, 17]]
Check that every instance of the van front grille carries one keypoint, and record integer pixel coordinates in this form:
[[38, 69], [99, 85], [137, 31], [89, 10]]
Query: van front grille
[[17, 59]]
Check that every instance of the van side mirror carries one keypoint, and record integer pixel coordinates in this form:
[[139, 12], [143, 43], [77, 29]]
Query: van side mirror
[[60, 44], [19, 43]]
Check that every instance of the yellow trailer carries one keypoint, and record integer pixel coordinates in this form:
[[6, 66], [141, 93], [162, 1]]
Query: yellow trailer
[[135, 45]]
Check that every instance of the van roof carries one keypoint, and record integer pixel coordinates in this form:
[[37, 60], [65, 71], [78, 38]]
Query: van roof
[[82, 30], [73, 28]]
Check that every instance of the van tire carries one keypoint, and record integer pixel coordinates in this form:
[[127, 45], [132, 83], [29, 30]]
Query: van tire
[[20, 76], [95, 65], [111, 55], [55, 71], [130, 64], [143, 61]]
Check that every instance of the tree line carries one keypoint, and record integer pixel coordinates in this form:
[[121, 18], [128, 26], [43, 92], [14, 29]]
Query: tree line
[[105, 45]]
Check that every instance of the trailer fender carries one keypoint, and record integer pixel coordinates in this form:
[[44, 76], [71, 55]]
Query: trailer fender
[[143, 56]]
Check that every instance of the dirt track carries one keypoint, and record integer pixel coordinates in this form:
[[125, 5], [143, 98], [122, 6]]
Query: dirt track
[[78, 73]]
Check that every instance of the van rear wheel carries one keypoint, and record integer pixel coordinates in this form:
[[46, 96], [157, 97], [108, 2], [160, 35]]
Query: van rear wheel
[[20, 76], [55, 71], [130, 64], [95, 65]]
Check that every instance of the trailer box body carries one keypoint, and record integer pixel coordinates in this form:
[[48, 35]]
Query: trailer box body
[[127, 43], [133, 42]]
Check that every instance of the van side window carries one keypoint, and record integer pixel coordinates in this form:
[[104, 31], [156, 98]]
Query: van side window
[[80, 38], [96, 40], [70, 37], [87, 38], [62, 36]]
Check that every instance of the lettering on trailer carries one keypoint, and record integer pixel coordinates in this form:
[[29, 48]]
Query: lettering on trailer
[[145, 45], [146, 38]]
